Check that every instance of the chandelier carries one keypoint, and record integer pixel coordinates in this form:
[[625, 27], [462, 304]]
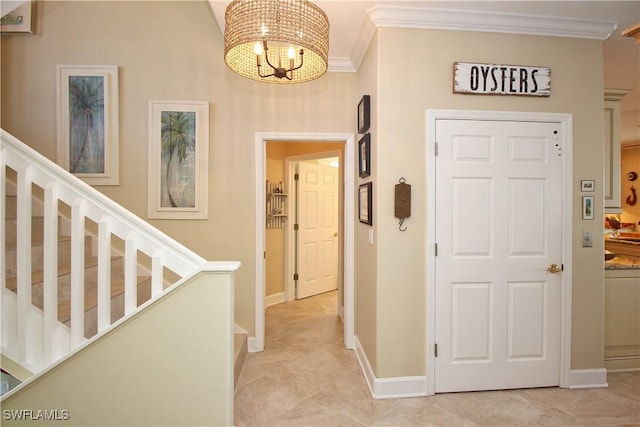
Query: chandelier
[[276, 41]]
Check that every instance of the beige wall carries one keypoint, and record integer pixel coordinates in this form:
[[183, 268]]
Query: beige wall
[[366, 292], [630, 161], [169, 51], [418, 77]]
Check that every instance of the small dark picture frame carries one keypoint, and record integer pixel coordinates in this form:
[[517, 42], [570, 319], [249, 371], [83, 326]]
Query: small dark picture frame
[[363, 114], [587, 185], [364, 156], [365, 203]]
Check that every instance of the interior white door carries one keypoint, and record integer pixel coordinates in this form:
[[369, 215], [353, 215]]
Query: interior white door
[[317, 200], [499, 228]]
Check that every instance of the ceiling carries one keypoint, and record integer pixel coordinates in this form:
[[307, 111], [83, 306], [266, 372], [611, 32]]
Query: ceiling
[[351, 24]]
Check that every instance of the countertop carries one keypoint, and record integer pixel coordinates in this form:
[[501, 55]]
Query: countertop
[[622, 263]]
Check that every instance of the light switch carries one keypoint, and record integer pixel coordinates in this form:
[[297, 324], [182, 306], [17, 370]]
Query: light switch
[[587, 239]]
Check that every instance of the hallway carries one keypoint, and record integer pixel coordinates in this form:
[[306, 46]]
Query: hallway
[[305, 377]]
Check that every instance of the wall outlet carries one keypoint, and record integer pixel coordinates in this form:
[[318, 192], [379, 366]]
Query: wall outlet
[[587, 239]]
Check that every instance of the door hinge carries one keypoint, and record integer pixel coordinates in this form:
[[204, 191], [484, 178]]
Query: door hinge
[[435, 350], [436, 249], [296, 176], [436, 149], [295, 227], [295, 276]]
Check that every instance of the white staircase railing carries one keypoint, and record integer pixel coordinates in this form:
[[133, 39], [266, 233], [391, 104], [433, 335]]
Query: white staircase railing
[[35, 338]]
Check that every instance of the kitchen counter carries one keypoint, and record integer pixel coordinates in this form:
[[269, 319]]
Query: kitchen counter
[[628, 251], [622, 263]]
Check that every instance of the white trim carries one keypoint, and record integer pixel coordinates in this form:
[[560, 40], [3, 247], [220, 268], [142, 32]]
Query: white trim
[[252, 346], [341, 65], [486, 21], [588, 378], [274, 299], [260, 140], [389, 388], [564, 120]]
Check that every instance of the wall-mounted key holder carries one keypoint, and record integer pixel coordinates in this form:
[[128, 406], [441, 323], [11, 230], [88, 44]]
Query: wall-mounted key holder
[[402, 202]]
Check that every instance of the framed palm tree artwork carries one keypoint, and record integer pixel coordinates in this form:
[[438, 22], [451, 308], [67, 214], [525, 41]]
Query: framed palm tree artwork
[[88, 134], [178, 159]]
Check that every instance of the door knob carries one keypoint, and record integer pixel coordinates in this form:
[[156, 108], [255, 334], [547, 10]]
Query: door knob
[[335, 234], [554, 268]]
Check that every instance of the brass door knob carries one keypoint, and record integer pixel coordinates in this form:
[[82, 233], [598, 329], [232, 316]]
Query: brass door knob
[[554, 268]]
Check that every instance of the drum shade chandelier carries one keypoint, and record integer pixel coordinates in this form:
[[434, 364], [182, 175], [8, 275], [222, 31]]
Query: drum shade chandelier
[[276, 41]]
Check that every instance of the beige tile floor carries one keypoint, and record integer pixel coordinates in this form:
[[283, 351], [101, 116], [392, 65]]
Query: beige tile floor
[[305, 377]]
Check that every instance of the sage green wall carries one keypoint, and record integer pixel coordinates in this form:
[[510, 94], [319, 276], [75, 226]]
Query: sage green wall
[[169, 50], [142, 375], [418, 77]]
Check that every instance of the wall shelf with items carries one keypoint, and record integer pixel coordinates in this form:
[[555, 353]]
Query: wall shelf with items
[[276, 207]]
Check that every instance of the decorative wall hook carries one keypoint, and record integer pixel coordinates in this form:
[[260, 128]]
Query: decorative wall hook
[[402, 202]]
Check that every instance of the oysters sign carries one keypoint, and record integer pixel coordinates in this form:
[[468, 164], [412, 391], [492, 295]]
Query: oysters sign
[[496, 79]]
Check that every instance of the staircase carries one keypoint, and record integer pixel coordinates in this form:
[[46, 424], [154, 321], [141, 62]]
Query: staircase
[[75, 267], [64, 271]]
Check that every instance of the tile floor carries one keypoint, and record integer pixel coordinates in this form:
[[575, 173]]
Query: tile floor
[[305, 377]]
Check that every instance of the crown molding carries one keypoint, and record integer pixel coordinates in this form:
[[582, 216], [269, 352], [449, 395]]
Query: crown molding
[[494, 22], [482, 21], [341, 65]]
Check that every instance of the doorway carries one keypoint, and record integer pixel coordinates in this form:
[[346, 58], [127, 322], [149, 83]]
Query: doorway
[[499, 218], [256, 343]]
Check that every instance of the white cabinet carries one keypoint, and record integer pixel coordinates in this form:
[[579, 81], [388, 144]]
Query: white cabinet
[[612, 99], [622, 319]]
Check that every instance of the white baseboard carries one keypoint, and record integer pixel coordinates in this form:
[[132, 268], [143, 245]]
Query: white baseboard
[[588, 378], [275, 299], [389, 388]]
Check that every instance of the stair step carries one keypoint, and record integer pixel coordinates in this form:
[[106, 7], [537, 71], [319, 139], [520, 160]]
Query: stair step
[[37, 253], [37, 276], [240, 348], [91, 297], [37, 227]]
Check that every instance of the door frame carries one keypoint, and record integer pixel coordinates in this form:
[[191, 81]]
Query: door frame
[[261, 138], [289, 237], [563, 120]]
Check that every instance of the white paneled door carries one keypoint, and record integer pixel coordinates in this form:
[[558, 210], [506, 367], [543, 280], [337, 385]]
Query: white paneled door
[[318, 200], [498, 233]]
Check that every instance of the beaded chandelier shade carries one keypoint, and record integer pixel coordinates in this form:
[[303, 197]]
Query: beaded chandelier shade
[[276, 41]]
